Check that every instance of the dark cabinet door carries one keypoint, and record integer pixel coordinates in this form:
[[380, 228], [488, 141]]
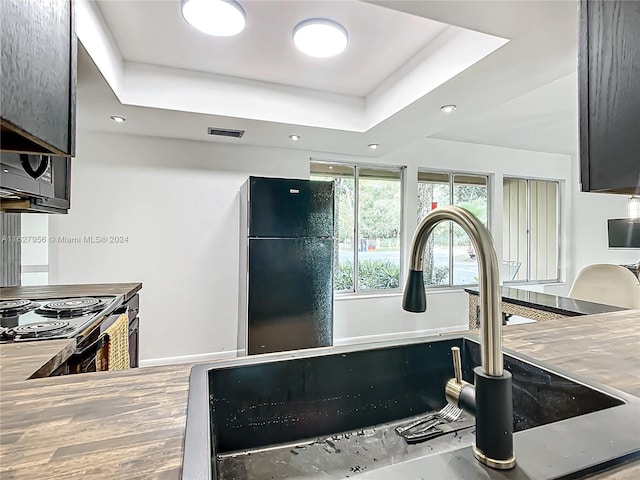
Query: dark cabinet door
[[290, 294], [134, 342], [38, 76], [609, 87], [133, 305], [290, 208]]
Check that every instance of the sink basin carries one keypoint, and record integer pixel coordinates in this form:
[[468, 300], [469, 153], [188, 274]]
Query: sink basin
[[330, 413]]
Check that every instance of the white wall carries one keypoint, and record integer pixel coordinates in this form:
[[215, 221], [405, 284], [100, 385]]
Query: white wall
[[591, 211], [177, 202], [382, 318], [34, 225], [588, 242]]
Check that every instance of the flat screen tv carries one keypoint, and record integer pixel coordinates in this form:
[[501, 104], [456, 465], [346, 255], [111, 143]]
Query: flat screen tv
[[623, 233]]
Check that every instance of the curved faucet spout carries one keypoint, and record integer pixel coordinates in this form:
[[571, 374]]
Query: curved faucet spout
[[492, 397], [414, 299]]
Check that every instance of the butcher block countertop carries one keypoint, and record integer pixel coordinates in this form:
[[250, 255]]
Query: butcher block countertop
[[60, 291], [130, 425], [39, 359]]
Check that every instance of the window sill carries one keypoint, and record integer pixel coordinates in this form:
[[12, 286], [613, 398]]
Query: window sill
[[550, 283], [364, 295], [395, 293], [440, 290]]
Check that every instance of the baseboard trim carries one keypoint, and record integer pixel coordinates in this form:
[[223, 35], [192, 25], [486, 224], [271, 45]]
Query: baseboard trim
[[399, 335], [200, 358]]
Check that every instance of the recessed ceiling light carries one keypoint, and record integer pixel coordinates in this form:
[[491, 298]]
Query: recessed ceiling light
[[448, 108], [118, 119], [320, 37], [220, 18], [373, 146], [295, 138]]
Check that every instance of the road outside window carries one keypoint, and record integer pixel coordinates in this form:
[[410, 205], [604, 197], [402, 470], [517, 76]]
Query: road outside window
[[368, 206], [450, 259]]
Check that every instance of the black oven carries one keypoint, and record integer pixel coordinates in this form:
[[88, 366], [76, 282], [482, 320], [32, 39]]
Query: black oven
[[84, 359]]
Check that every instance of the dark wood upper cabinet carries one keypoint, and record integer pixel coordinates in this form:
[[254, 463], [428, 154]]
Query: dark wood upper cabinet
[[38, 76], [609, 96]]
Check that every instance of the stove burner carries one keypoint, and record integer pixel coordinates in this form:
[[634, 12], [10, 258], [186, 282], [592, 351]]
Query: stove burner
[[11, 308], [71, 307], [14, 304], [34, 329], [5, 333]]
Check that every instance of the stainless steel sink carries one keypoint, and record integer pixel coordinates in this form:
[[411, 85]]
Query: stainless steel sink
[[329, 413]]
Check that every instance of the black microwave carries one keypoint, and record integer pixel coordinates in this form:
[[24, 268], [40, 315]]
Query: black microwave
[[44, 189]]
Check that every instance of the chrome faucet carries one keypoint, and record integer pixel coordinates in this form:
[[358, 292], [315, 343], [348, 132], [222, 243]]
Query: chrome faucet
[[490, 397]]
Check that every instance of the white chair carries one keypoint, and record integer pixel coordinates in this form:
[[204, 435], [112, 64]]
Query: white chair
[[607, 284]]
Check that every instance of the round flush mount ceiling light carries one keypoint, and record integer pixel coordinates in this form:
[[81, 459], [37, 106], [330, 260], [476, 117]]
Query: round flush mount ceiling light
[[320, 37], [295, 138], [118, 119], [373, 146], [448, 108], [220, 18]]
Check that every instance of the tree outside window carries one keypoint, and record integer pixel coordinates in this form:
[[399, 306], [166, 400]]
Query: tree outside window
[[449, 255], [368, 218]]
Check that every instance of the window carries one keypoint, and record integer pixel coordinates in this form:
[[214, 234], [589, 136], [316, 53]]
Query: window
[[34, 249], [530, 230], [368, 205], [449, 257]]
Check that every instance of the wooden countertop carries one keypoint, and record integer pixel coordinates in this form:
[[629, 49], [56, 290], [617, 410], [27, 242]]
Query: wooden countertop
[[39, 359], [23, 360], [130, 425], [59, 291]]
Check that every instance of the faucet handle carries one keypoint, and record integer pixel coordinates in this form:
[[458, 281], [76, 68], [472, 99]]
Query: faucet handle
[[457, 391], [457, 364]]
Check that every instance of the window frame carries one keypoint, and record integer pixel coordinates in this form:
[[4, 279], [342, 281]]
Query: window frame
[[528, 180], [452, 174], [402, 169], [45, 244]]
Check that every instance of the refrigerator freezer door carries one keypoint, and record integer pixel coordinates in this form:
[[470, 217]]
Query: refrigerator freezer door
[[290, 208], [290, 294]]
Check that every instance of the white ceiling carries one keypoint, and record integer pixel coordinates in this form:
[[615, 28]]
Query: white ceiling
[[381, 40], [545, 118], [159, 75]]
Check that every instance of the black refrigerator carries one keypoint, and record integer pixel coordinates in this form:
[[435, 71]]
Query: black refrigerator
[[286, 265]]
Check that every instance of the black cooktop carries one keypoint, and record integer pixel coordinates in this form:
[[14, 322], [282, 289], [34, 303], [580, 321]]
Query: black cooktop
[[22, 320]]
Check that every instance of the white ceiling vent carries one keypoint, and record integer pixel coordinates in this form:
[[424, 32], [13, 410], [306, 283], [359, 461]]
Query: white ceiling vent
[[223, 132]]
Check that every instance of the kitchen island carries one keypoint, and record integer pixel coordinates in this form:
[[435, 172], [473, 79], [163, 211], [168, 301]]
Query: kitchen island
[[130, 425], [536, 306], [63, 349]]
